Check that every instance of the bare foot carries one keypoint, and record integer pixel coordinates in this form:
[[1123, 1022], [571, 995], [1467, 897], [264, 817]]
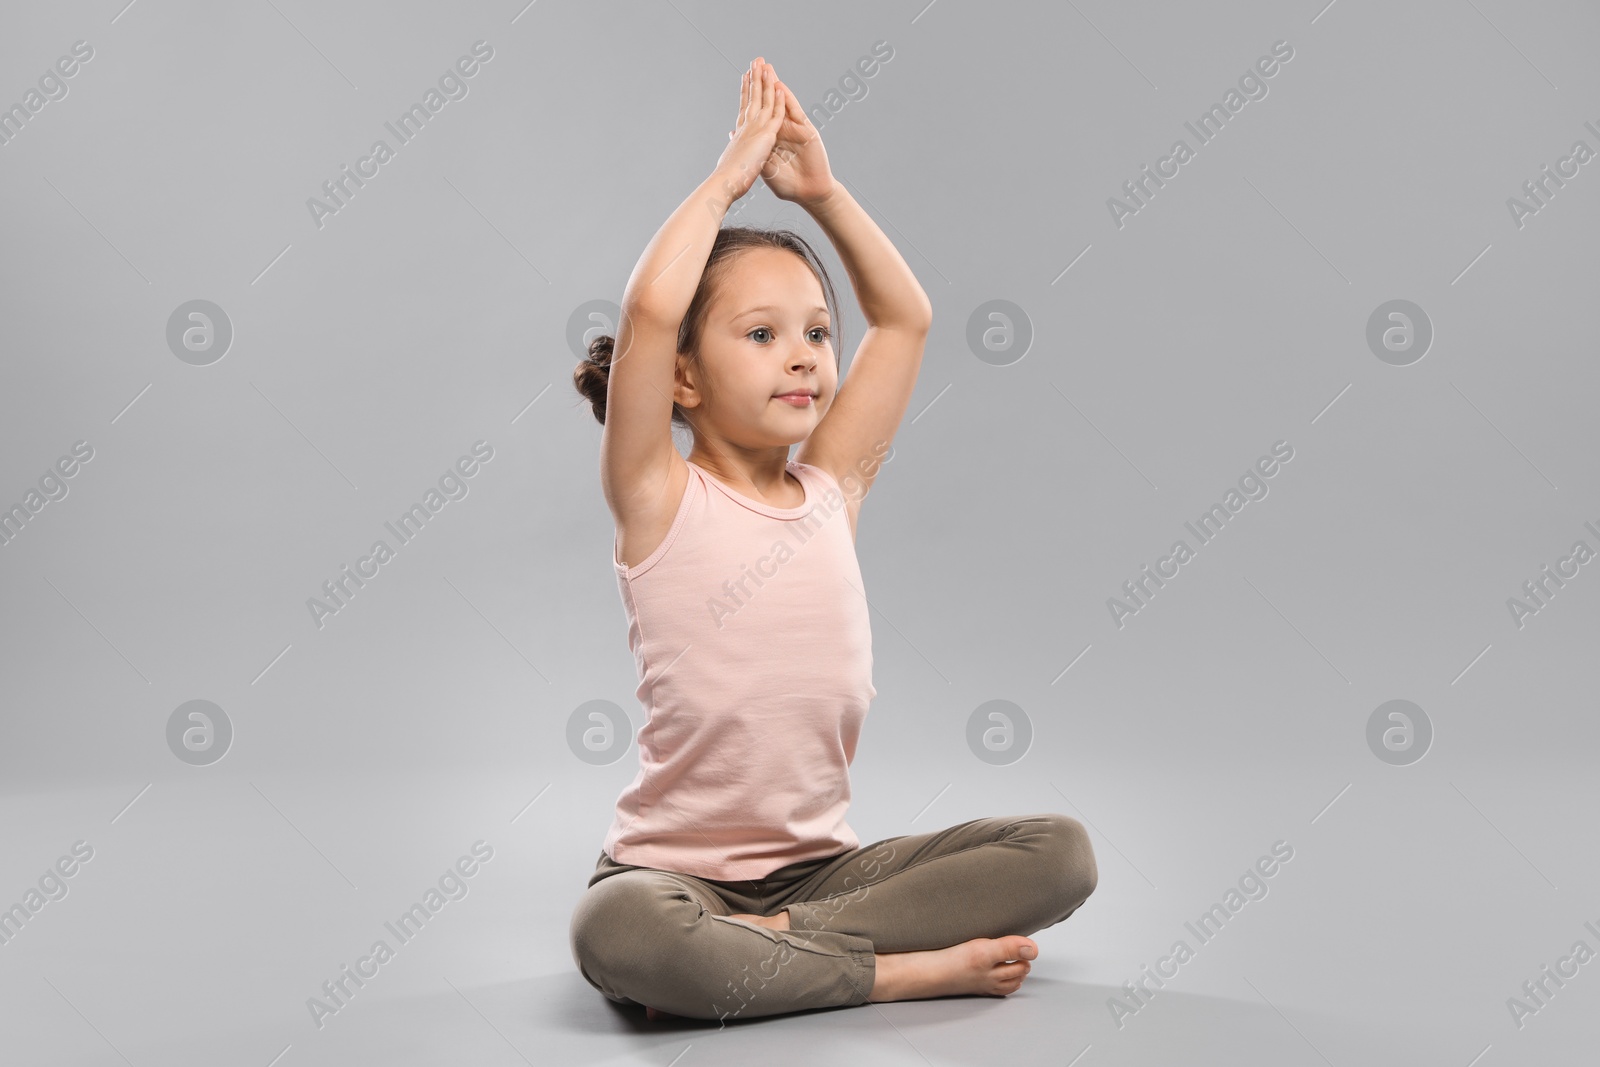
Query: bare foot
[[983, 966]]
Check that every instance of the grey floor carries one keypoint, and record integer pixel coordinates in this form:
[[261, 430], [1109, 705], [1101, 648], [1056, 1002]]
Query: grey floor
[[209, 915]]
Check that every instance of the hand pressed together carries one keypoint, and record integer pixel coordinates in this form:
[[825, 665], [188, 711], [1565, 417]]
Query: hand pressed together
[[773, 138], [799, 163]]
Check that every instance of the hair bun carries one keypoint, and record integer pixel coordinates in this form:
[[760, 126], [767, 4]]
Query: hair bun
[[592, 374]]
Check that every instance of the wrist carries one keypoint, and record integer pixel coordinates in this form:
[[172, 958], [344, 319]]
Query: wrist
[[818, 204], [724, 185]]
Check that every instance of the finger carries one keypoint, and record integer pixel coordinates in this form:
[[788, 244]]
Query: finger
[[779, 101], [796, 112], [766, 88], [777, 94]]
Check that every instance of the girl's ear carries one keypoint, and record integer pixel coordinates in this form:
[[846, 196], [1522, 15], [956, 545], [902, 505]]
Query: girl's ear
[[685, 390]]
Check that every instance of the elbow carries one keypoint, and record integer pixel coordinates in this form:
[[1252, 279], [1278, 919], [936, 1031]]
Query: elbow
[[912, 314], [921, 317], [915, 320], [634, 309], [920, 323]]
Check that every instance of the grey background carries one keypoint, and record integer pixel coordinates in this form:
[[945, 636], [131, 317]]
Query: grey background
[[432, 712]]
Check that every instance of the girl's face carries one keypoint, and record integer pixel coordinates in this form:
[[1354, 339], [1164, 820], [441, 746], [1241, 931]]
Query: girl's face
[[767, 333]]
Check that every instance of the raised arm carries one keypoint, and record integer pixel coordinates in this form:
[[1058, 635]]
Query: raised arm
[[859, 425], [636, 443]]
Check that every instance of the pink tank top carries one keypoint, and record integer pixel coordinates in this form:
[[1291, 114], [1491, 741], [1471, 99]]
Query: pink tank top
[[750, 632]]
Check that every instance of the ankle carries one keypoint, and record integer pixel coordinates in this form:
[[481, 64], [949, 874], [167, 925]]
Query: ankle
[[885, 977]]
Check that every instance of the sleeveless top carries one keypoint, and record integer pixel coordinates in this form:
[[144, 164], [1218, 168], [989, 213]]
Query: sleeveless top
[[750, 633]]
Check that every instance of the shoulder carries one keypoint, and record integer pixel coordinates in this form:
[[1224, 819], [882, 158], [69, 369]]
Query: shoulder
[[830, 480]]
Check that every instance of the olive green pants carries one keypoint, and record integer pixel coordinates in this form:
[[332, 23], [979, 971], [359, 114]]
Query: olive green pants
[[646, 936]]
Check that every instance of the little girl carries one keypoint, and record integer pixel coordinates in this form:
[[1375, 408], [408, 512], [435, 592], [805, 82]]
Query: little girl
[[730, 884]]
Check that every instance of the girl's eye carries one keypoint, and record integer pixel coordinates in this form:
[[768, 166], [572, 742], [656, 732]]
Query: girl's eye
[[766, 334]]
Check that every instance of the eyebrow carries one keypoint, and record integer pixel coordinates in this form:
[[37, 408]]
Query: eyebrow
[[769, 307]]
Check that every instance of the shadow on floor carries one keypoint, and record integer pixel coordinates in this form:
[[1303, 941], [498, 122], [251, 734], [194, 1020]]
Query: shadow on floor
[[1048, 1021]]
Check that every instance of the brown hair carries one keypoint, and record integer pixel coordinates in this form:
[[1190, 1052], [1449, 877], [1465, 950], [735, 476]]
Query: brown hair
[[591, 376]]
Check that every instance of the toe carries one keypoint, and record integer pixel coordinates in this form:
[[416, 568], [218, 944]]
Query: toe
[[1015, 947]]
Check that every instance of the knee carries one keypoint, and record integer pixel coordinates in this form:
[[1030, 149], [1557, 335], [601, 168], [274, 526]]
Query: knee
[[586, 932], [1072, 860], [621, 932], [603, 933]]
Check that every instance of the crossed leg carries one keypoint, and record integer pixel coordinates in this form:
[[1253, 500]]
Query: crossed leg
[[988, 966], [937, 914]]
